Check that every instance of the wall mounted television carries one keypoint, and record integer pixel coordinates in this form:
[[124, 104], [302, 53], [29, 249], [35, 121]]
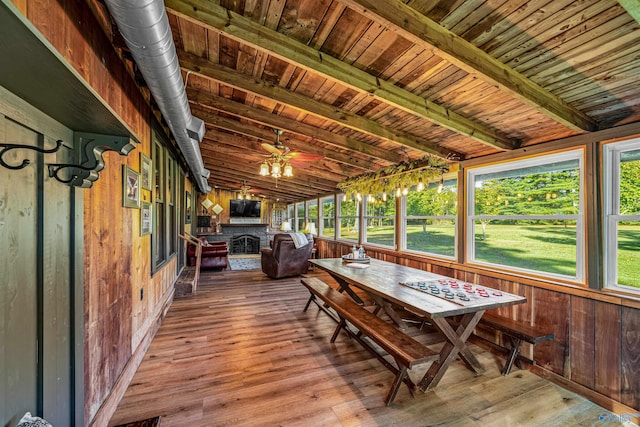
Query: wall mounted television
[[244, 208]]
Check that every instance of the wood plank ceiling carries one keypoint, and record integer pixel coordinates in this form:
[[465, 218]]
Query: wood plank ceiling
[[357, 85]]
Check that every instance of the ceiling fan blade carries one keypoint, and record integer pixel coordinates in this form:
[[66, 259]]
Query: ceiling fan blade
[[270, 148], [305, 157]]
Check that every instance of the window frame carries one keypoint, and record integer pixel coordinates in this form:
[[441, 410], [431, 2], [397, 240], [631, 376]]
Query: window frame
[[322, 216], [165, 221], [340, 199], [158, 237], [404, 217], [366, 217], [300, 212], [611, 153], [574, 153]]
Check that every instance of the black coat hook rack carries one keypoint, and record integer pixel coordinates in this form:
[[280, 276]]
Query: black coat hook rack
[[8, 147]]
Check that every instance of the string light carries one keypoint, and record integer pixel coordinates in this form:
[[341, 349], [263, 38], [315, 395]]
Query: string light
[[412, 175]]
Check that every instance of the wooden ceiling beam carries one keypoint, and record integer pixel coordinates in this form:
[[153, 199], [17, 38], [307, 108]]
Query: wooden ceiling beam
[[279, 122], [230, 183], [320, 178], [229, 180], [226, 170], [328, 171], [203, 68], [269, 137], [256, 151], [239, 28], [419, 29]]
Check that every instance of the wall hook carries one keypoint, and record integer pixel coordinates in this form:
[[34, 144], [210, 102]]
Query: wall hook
[[25, 162]]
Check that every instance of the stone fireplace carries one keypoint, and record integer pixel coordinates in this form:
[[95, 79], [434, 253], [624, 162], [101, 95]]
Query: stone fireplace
[[231, 232], [245, 244]]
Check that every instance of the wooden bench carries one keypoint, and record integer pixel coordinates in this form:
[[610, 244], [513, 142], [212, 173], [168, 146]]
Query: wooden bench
[[405, 351], [517, 332]]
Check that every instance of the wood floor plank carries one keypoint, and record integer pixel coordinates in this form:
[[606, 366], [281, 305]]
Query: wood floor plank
[[243, 353]]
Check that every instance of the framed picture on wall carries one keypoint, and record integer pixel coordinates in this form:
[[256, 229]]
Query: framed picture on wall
[[145, 219], [130, 187], [145, 171], [187, 208]]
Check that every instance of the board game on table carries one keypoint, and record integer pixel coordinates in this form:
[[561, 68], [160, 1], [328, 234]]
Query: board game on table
[[457, 291]]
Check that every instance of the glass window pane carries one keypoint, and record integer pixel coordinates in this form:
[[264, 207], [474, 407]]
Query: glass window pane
[[430, 221], [349, 220], [328, 227], [299, 217], [628, 253], [529, 192], [328, 217], [349, 228], [630, 183], [348, 208], [379, 207], [529, 245], [381, 230], [380, 220], [430, 202], [312, 211], [435, 236]]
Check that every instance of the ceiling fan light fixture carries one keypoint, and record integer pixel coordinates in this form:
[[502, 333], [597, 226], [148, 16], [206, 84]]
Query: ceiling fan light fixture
[[275, 170], [288, 170], [264, 168]]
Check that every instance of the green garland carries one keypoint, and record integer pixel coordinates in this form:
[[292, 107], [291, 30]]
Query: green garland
[[390, 178]]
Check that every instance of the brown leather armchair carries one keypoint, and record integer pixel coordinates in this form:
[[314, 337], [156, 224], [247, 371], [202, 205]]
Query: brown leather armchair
[[214, 254], [283, 259]]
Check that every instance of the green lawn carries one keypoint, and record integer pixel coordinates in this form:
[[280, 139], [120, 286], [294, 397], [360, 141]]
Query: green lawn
[[544, 248]]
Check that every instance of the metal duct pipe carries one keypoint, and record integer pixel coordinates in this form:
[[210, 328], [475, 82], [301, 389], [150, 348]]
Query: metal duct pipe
[[145, 28]]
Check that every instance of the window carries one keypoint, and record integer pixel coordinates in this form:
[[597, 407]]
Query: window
[[172, 214], [165, 210], [158, 236], [622, 215], [291, 214], [328, 212], [528, 215], [380, 218], [300, 217], [312, 212], [430, 218], [348, 218]]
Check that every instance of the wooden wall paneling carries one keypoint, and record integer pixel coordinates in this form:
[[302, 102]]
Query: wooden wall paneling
[[19, 290], [607, 349], [38, 253], [630, 357], [582, 341], [111, 232], [442, 270], [551, 311]]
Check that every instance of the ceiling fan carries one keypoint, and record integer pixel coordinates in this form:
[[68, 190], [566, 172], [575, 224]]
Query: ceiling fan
[[277, 148], [278, 163]]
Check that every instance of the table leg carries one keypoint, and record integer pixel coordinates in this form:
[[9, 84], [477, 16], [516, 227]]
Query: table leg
[[344, 287], [387, 308], [456, 344]]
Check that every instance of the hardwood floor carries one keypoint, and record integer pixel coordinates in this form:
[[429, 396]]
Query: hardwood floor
[[243, 353]]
